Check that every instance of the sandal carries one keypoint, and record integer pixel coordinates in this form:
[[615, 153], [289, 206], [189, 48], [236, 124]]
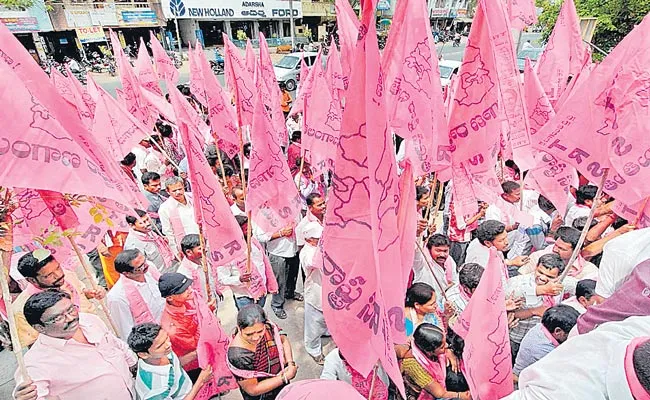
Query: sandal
[[280, 313]]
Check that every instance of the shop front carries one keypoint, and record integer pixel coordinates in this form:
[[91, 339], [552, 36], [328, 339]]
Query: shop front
[[26, 25]]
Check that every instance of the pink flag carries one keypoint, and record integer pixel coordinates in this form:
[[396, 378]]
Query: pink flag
[[222, 115], [348, 25], [271, 91], [239, 81], [463, 196], [144, 69], [251, 60], [63, 86], [337, 81], [551, 178], [415, 104], [43, 132], [85, 101], [223, 235], [272, 197], [135, 103], [67, 89], [165, 67], [322, 126], [484, 327], [633, 214], [522, 13], [159, 104], [606, 126], [475, 117], [407, 214], [60, 209], [306, 84], [564, 52], [582, 77], [365, 293], [116, 129]]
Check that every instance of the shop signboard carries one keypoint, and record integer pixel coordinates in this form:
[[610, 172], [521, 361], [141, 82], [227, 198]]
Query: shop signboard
[[91, 34], [140, 16], [231, 9], [33, 19]]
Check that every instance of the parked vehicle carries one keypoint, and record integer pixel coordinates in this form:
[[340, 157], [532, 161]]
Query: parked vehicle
[[533, 54], [217, 64], [287, 69], [447, 69]]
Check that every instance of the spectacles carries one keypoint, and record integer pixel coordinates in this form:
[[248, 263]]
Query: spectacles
[[73, 310]]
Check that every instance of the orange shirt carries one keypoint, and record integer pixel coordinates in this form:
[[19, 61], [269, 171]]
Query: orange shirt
[[182, 326], [286, 101]]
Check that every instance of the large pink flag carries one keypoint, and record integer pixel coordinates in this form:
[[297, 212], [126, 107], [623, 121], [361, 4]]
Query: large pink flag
[[63, 86], [271, 91], [79, 100], [223, 235], [306, 84], [583, 76], [272, 198], [164, 65], [114, 127], [322, 126], [348, 24], [42, 132], [239, 82], [135, 102], [83, 97], [337, 81], [606, 125], [522, 13], [484, 327], [551, 178], [414, 97], [363, 296], [407, 214], [144, 69], [251, 60], [563, 54], [222, 114]]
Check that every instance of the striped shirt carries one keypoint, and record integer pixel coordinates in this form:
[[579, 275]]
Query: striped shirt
[[162, 382]]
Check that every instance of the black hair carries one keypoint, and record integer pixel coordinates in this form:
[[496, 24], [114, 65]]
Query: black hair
[[250, 315], [128, 159], [580, 222], [142, 337], [149, 176], [124, 259], [420, 192], [428, 337], [560, 316], [586, 288], [455, 342], [641, 363], [552, 261], [29, 266], [311, 197], [470, 275], [165, 130], [586, 192], [130, 219], [509, 186], [247, 149], [296, 136], [545, 204], [420, 293], [489, 230], [241, 219], [190, 242], [569, 235], [212, 162], [227, 170], [438, 240], [40, 302]]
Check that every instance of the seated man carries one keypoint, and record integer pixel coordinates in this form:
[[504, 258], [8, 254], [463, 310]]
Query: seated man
[[540, 291], [554, 330], [42, 271], [135, 298], [438, 270], [160, 375], [459, 294], [585, 296], [75, 355]]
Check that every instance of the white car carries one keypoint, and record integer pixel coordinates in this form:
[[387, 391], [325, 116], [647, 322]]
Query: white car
[[447, 69], [287, 69]]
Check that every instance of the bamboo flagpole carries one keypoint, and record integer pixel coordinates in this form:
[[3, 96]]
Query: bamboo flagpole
[[164, 153], [431, 197], [639, 213], [91, 278], [204, 264], [15, 341], [426, 259], [585, 230], [373, 380], [436, 209]]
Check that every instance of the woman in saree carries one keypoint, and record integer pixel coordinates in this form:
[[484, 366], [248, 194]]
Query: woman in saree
[[422, 305], [260, 355]]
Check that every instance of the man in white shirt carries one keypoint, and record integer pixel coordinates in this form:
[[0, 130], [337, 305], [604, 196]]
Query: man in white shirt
[[315, 326], [142, 238], [585, 196], [491, 233], [191, 265], [436, 268], [140, 151], [458, 294], [585, 296], [135, 298], [620, 256], [507, 211], [177, 213], [239, 205], [315, 213]]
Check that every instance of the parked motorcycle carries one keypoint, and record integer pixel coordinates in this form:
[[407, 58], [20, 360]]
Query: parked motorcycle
[[217, 64]]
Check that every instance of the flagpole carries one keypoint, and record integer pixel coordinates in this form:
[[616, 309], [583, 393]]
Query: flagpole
[[585, 229], [639, 213], [431, 269], [204, 264], [13, 331], [164, 153], [372, 382], [89, 276], [436, 209]]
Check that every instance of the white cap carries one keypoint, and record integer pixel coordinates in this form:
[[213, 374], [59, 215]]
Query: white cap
[[312, 230]]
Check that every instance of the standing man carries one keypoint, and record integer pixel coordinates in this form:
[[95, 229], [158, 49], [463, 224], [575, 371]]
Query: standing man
[[151, 245], [315, 326], [191, 265], [177, 214], [315, 213], [239, 202], [505, 211], [154, 194], [75, 355], [135, 298], [42, 271], [491, 233]]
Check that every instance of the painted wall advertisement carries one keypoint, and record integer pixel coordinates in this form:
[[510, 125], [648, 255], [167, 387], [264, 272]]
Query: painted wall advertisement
[[34, 19], [230, 9]]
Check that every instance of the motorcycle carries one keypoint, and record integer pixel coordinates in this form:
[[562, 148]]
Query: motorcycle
[[175, 57], [217, 64], [456, 42]]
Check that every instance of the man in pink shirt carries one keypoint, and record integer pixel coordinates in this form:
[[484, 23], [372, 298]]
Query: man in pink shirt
[[75, 355]]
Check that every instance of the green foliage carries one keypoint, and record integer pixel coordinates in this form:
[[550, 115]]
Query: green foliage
[[616, 18], [17, 4]]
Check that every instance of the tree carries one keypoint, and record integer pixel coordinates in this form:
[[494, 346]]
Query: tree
[[616, 18], [17, 4]]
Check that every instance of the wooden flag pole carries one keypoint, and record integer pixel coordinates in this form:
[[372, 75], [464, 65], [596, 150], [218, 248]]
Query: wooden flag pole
[[585, 230], [442, 288], [639, 213], [91, 278], [436, 209], [164, 153], [13, 331], [372, 381], [204, 264], [431, 196]]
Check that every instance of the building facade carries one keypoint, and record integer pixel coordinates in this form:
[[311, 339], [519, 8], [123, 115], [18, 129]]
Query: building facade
[[448, 14], [26, 25]]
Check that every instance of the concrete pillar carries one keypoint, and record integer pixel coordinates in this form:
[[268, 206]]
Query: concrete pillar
[[256, 30], [227, 28], [188, 29]]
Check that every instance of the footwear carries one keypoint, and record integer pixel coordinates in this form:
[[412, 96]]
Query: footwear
[[320, 360], [280, 313], [298, 297]]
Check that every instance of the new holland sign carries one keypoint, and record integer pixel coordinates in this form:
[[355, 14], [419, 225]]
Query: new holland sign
[[230, 9]]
